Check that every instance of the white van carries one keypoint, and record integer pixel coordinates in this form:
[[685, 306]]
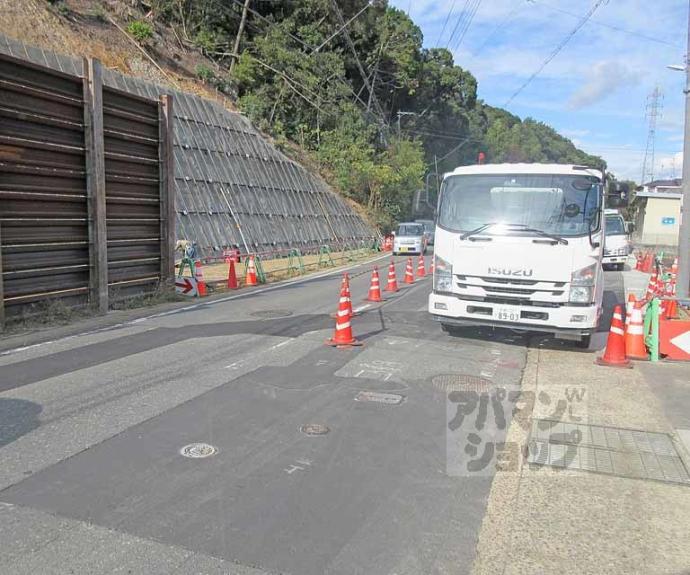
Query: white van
[[617, 245]]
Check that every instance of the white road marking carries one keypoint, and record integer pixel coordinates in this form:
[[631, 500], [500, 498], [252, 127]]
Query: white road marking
[[272, 287], [281, 344], [361, 308]]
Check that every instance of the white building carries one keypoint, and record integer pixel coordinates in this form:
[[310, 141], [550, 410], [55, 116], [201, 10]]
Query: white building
[[658, 213]]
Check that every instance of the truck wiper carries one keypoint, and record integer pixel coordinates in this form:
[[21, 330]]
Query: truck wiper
[[544, 234], [476, 230]]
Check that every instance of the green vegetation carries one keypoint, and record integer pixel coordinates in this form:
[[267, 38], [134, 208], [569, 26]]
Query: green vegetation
[[376, 109], [140, 31]]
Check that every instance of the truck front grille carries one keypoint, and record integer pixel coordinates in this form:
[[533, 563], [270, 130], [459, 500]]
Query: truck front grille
[[511, 290]]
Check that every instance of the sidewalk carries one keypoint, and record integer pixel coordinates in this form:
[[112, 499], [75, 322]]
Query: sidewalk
[[546, 520]]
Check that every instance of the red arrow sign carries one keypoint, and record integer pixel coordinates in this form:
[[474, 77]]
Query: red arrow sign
[[186, 286], [674, 339]]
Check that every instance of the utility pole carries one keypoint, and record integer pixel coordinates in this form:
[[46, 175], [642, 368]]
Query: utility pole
[[243, 21], [683, 280], [401, 113]]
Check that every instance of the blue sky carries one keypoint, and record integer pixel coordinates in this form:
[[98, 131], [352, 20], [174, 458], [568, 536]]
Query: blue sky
[[595, 90]]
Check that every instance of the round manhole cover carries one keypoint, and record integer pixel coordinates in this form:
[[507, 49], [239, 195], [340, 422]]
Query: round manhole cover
[[271, 313], [314, 429], [461, 382], [198, 450]]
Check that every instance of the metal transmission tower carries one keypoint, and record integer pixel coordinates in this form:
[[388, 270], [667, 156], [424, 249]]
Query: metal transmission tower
[[655, 103]]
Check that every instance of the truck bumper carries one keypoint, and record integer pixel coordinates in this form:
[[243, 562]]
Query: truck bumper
[[564, 320], [607, 260]]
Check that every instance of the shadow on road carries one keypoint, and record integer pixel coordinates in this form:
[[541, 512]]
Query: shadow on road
[[17, 417]]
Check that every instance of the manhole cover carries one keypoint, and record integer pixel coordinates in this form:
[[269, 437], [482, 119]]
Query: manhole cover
[[461, 382], [611, 450], [314, 429], [377, 397], [198, 450], [271, 313]]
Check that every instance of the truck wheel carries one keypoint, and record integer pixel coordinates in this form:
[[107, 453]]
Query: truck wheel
[[449, 329], [584, 342]]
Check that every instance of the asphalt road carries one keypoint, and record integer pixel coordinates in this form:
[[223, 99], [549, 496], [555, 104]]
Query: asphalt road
[[91, 428]]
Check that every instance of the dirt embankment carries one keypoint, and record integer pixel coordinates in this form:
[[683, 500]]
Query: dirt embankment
[[98, 30]]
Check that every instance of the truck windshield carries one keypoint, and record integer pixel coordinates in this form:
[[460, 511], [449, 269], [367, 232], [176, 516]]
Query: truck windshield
[[562, 205], [411, 230], [615, 226]]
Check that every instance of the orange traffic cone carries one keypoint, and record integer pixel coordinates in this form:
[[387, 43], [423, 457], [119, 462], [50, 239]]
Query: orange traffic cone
[[629, 307], [431, 267], [671, 309], [409, 274], [343, 328], [232, 276], [634, 334], [199, 276], [250, 278], [651, 286], [374, 288], [648, 263], [392, 284], [345, 286], [421, 268], [614, 356]]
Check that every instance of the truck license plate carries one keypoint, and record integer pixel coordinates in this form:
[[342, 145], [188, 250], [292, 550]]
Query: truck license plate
[[506, 313]]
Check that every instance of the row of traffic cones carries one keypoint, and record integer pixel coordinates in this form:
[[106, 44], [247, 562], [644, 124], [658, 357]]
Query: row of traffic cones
[[626, 340], [250, 278], [343, 335]]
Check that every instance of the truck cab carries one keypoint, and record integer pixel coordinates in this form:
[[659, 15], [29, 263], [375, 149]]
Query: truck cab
[[617, 244], [520, 246]]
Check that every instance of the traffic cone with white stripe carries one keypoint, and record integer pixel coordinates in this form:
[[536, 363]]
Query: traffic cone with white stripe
[[374, 288], [392, 284], [346, 289], [343, 336], [651, 286], [421, 268], [614, 355], [199, 276], [409, 274], [634, 334], [431, 266], [629, 307], [250, 277]]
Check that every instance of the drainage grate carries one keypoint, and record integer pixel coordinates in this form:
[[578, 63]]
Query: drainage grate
[[271, 313], [376, 397], [198, 450], [461, 382], [314, 429], [610, 450]]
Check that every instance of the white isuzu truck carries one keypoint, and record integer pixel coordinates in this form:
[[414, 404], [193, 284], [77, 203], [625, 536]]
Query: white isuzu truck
[[520, 246]]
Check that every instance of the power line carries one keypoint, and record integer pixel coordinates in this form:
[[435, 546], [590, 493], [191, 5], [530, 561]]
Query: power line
[[556, 51], [438, 41], [460, 20], [509, 18], [468, 23], [609, 26], [353, 49]]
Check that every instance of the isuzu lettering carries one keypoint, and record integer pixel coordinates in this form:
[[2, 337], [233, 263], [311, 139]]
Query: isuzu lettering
[[520, 246]]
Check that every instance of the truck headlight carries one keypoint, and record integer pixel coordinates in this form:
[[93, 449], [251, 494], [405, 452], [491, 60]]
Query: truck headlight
[[582, 284], [443, 275], [581, 294]]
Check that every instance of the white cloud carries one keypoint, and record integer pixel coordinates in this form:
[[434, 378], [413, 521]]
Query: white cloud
[[604, 79]]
